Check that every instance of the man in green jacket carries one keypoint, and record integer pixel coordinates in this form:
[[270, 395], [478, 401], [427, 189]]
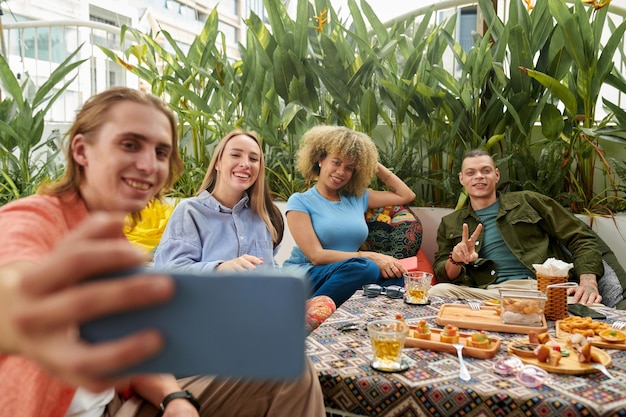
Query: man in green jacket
[[510, 232]]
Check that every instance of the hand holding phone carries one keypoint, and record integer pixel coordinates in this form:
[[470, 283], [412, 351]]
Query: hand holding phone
[[247, 324]]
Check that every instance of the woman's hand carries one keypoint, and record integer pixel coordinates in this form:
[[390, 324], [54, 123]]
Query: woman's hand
[[389, 266], [241, 264], [47, 301]]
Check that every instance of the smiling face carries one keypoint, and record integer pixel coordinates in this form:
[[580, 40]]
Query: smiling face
[[480, 177], [238, 168], [335, 172], [127, 162]]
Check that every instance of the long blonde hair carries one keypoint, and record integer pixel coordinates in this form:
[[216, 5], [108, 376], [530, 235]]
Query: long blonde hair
[[259, 192], [321, 141]]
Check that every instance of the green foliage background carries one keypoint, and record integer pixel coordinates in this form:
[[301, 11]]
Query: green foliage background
[[546, 67]]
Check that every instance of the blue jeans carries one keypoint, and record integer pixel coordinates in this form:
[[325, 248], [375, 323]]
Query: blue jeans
[[340, 280]]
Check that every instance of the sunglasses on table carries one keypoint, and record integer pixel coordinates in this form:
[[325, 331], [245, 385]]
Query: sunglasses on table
[[392, 291]]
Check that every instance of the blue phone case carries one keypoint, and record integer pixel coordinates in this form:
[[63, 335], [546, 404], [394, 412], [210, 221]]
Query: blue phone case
[[249, 325]]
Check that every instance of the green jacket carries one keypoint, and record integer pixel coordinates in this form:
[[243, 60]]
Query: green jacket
[[532, 225]]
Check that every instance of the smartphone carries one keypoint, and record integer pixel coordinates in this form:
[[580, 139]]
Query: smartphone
[[248, 325], [584, 311]]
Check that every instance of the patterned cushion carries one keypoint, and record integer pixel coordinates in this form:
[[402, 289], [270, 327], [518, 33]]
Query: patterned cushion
[[394, 231]]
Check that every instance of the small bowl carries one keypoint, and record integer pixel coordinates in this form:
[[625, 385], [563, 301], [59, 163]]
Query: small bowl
[[531, 376], [507, 366], [612, 336]]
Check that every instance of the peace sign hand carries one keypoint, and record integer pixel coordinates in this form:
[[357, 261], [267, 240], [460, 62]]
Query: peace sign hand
[[464, 251]]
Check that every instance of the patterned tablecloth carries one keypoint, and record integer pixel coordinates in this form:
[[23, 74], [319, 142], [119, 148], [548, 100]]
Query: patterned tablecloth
[[432, 387]]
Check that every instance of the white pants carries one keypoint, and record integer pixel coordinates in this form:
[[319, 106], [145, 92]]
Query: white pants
[[448, 290]]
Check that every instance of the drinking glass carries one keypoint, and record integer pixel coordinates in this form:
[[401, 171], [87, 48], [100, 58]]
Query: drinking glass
[[416, 287], [387, 337]]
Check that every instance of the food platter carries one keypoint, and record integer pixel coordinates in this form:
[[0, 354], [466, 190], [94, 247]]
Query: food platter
[[568, 365], [487, 318], [596, 340], [435, 344]]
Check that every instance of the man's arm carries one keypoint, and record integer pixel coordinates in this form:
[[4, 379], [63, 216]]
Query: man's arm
[[461, 254], [581, 242], [41, 304], [154, 388], [444, 247]]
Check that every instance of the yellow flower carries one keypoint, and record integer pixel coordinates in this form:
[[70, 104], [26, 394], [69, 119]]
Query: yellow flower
[[601, 4], [529, 4], [321, 20], [597, 4]]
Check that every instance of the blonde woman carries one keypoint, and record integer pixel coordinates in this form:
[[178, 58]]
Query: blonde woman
[[328, 220], [232, 223]]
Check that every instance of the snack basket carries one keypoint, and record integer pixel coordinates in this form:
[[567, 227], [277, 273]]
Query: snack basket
[[555, 289]]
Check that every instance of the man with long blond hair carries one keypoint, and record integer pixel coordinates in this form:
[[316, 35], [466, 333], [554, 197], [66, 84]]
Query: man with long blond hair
[[122, 153]]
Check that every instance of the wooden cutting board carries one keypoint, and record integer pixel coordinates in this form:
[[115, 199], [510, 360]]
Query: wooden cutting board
[[567, 365], [435, 343], [487, 318]]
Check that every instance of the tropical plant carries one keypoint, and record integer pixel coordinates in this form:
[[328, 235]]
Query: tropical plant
[[26, 158], [200, 85], [391, 82], [579, 31]]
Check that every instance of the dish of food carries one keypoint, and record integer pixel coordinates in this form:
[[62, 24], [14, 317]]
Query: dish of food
[[435, 343], [449, 334], [421, 331], [487, 318], [523, 307], [567, 364], [567, 327], [612, 336]]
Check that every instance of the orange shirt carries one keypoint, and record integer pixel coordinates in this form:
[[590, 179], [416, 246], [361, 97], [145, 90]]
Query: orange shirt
[[29, 229]]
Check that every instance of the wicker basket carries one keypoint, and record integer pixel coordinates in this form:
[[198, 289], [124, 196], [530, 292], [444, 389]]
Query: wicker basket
[[556, 304]]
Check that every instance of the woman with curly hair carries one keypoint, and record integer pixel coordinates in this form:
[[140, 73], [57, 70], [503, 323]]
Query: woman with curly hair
[[328, 220]]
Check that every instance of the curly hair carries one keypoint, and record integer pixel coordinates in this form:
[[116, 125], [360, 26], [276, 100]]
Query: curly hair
[[321, 141]]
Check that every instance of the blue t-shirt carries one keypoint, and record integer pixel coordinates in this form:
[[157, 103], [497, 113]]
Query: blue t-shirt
[[339, 225]]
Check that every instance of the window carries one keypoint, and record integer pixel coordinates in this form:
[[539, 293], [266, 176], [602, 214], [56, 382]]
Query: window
[[230, 32], [467, 25], [229, 6], [172, 5], [45, 44]]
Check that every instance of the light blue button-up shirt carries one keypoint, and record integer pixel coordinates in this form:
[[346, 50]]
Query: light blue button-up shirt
[[201, 233]]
